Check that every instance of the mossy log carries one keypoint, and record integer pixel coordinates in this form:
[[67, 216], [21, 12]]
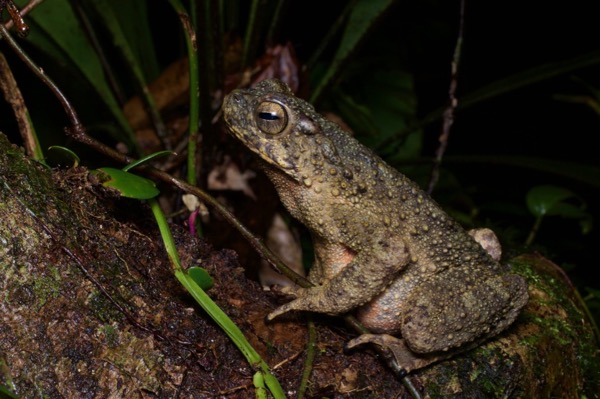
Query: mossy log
[[90, 308]]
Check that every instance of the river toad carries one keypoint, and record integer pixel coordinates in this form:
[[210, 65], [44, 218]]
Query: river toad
[[382, 246]]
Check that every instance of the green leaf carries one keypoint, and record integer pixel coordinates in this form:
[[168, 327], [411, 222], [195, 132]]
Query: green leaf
[[552, 201], [122, 34], [66, 154], [259, 385], [148, 158], [114, 21], [364, 14], [568, 210], [542, 200], [130, 185], [574, 211], [228, 326], [6, 394], [56, 31], [138, 34], [232, 331], [201, 277], [586, 224], [388, 105]]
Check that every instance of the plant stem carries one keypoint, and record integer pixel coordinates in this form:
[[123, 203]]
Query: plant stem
[[310, 358], [453, 103], [533, 232], [13, 96], [69, 110], [192, 50], [250, 36], [209, 306]]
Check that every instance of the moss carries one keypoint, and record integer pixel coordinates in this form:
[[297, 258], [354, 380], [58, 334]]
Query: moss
[[137, 357], [47, 287], [552, 327], [103, 309], [110, 334], [564, 325]]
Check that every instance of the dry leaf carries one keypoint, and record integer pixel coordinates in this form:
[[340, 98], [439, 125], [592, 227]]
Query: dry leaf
[[286, 246], [227, 176]]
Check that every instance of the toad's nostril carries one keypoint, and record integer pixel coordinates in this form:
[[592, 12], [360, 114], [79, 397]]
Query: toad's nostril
[[238, 98]]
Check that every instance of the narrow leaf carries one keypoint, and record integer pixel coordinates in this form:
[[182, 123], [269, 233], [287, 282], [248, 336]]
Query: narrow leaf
[[138, 34], [363, 16], [515, 82], [66, 153], [148, 158], [110, 16]]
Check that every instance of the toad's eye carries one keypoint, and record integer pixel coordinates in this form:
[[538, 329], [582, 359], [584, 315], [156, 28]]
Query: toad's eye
[[271, 117]]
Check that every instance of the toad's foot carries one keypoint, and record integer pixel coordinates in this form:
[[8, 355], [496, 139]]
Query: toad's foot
[[313, 299], [397, 348]]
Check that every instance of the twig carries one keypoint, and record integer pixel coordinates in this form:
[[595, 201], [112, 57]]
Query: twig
[[13, 96], [451, 108], [70, 111], [24, 11], [16, 17]]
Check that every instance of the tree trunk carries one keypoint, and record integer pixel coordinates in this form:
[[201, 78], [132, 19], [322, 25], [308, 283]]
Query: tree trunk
[[90, 308]]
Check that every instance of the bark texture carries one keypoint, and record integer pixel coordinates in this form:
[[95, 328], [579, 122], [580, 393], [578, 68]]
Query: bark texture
[[89, 308]]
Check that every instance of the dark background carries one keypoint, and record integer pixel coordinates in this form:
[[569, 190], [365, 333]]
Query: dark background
[[500, 39]]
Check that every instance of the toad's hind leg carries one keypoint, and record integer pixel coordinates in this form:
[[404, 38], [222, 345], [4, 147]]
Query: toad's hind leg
[[442, 320], [446, 313]]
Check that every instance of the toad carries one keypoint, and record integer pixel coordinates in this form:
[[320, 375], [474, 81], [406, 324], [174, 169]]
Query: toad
[[423, 286]]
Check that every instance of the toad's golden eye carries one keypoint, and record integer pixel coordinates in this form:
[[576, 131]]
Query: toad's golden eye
[[271, 117]]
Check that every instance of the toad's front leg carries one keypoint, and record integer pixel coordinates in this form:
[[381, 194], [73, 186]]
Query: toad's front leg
[[366, 276]]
